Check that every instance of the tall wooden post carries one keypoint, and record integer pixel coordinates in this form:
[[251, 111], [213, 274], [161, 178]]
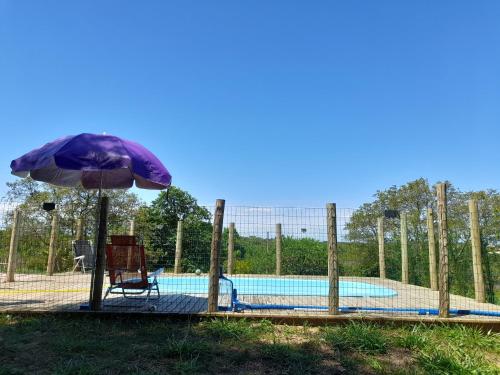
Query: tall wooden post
[[52, 244], [444, 294], [213, 276], [432, 250], [131, 229], [404, 249], [79, 229], [14, 240], [178, 247], [333, 266], [381, 250], [279, 241], [130, 253], [230, 249], [477, 265], [100, 261]]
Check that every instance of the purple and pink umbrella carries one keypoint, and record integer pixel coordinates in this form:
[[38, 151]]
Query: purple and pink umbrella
[[94, 161]]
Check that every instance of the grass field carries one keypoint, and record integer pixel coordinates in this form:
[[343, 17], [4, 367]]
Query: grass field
[[88, 345]]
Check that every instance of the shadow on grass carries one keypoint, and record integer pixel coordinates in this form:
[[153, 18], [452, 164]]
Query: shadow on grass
[[116, 345]]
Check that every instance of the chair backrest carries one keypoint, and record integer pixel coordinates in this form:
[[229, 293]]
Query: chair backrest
[[124, 256], [83, 247], [123, 240]]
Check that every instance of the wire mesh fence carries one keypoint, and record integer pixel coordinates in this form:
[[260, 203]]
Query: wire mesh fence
[[274, 260]]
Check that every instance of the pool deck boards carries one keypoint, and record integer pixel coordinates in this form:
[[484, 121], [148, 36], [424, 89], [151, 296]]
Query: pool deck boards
[[67, 291]]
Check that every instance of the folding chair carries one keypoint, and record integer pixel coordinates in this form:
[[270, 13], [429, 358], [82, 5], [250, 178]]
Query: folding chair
[[83, 254], [128, 276]]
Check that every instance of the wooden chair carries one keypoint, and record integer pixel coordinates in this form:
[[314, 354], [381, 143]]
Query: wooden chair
[[128, 276]]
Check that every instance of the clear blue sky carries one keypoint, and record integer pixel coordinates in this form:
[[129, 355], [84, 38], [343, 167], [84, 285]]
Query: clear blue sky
[[263, 103]]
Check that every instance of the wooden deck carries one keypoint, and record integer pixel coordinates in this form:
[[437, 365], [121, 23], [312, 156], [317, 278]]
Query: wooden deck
[[68, 291]]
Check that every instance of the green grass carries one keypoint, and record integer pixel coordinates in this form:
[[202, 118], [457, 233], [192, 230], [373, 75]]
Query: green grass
[[362, 337], [289, 358], [91, 345], [238, 330]]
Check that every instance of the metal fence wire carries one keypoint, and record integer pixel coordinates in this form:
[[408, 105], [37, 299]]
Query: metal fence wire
[[274, 260]]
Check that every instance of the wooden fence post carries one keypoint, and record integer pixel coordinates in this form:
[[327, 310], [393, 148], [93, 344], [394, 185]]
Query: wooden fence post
[[432, 250], [79, 229], [333, 266], [131, 230], [444, 294], [477, 265], [14, 240], [404, 249], [130, 253], [381, 255], [178, 248], [52, 244], [213, 284], [100, 261], [279, 241], [230, 249]]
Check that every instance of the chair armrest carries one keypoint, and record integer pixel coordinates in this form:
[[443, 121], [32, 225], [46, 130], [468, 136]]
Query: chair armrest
[[156, 273]]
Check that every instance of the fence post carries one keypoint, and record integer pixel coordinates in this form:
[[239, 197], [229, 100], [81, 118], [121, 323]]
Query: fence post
[[130, 253], [381, 255], [131, 230], [230, 249], [213, 285], [14, 240], [404, 249], [432, 250], [279, 241], [79, 229], [333, 266], [178, 248], [477, 265], [52, 244], [444, 296], [95, 303]]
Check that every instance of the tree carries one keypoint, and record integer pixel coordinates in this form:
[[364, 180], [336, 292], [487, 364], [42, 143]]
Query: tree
[[71, 204], [414, 198], [158, 222]]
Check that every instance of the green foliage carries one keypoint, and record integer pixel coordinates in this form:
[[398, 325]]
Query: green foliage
[[413, 339], [305, 256], [243, 267], [414, 198], [455, 361], [158, 224], [257, 255], [358, 259], [71, 204]]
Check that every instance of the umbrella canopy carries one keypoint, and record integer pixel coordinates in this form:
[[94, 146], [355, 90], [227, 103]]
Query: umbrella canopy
[[93, 161]]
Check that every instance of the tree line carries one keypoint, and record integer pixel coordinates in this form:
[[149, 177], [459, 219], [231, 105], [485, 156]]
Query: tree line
[[156, 225]]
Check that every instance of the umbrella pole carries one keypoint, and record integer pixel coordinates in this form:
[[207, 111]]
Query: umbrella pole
[[96, 236], [96, 302], [96, 239]]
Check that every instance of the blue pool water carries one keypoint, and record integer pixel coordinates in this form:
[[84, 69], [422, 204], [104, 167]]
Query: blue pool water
[[274, 286]]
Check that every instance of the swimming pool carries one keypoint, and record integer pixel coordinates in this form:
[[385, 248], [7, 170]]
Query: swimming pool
[[274, 286]]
